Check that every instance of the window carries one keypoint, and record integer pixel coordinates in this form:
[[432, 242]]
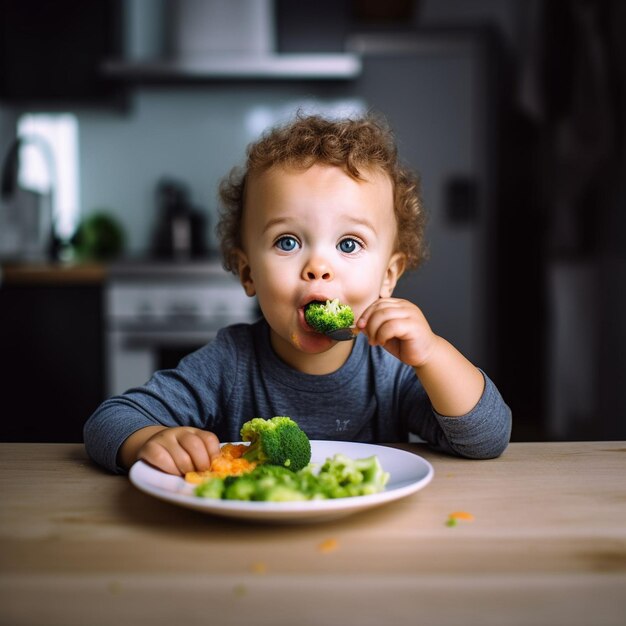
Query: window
[[49, 164]]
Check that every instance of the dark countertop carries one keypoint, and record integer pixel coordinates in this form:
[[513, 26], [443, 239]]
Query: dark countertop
[[49, 273], [151, 269], [52, 274]]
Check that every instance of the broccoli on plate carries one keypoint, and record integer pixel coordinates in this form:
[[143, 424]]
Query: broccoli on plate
[[338, 477], [343, 477], [266, 483], [329, 315], [276, 441]]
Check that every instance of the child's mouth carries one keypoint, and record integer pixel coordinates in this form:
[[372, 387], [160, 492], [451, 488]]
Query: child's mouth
[[302, 315], [302, 318]]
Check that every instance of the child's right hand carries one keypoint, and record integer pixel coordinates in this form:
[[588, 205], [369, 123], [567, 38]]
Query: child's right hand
[[180, 449]]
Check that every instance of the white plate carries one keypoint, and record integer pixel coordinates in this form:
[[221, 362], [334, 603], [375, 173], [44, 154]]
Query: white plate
[[408, 473]]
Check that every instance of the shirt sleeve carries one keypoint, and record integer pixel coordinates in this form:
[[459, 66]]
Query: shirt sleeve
[[185, 396], [482, 433]]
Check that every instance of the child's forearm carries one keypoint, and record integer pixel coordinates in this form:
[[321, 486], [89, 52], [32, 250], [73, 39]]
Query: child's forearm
[[129, 450], [454, 385]]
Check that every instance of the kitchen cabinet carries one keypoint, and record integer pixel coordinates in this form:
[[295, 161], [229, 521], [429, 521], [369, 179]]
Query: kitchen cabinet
[[185, 42], [51, 353], [51, 52]]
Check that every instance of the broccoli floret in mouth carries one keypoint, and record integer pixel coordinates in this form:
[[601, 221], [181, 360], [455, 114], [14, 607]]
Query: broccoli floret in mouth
[[327, 316]]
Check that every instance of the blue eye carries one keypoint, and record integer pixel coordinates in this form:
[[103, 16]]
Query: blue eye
[[349, 245], [287, 243]]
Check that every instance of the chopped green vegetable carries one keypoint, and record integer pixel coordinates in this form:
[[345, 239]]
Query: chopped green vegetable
[[328, 316], [213, 488], [345, 477], [338, 477]]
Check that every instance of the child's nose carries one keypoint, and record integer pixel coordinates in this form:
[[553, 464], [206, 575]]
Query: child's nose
[[317, 269]]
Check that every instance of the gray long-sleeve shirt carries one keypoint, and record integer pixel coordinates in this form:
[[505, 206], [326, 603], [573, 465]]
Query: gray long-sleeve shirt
[[373, 397]]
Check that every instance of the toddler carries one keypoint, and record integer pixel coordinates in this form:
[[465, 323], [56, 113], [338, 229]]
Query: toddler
[[323, 209]]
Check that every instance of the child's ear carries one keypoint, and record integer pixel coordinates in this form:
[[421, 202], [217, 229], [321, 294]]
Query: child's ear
[[245, 273], [395, 269]]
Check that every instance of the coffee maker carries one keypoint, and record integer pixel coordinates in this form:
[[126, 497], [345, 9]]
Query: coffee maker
[[179, 234]]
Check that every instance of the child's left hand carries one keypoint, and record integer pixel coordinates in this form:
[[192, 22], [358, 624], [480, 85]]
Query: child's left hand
[[401, 328]]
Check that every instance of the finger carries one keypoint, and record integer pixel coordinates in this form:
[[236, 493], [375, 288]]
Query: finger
[[158, 456], [378, 326], [383, 304], [181, 457], [195, 447], [211, 443], [396, 328], [366, 314]]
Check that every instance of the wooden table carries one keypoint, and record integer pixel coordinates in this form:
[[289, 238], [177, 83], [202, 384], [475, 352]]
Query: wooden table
[[547, 546]]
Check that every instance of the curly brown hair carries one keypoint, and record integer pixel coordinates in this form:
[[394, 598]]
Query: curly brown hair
[[352, 144]]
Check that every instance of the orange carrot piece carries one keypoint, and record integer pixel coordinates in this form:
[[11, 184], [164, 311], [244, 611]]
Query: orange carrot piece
[[464, 515], [224, 466], [234, 450], [228, 463], [328, 545]]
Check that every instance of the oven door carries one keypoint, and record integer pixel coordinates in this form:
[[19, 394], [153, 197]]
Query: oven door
[[133, 355]]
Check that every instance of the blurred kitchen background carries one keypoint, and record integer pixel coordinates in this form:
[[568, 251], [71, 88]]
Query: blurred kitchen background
[[119, 118]]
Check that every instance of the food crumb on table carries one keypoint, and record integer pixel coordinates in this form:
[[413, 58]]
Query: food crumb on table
[[328, 545], [258, 568], [453, 518], [114, 587], [240, 590]]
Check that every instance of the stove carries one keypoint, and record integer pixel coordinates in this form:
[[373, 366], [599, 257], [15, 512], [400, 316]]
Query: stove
[[156, 313]]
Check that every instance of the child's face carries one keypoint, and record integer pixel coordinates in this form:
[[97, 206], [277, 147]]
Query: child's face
[[316, 234]]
